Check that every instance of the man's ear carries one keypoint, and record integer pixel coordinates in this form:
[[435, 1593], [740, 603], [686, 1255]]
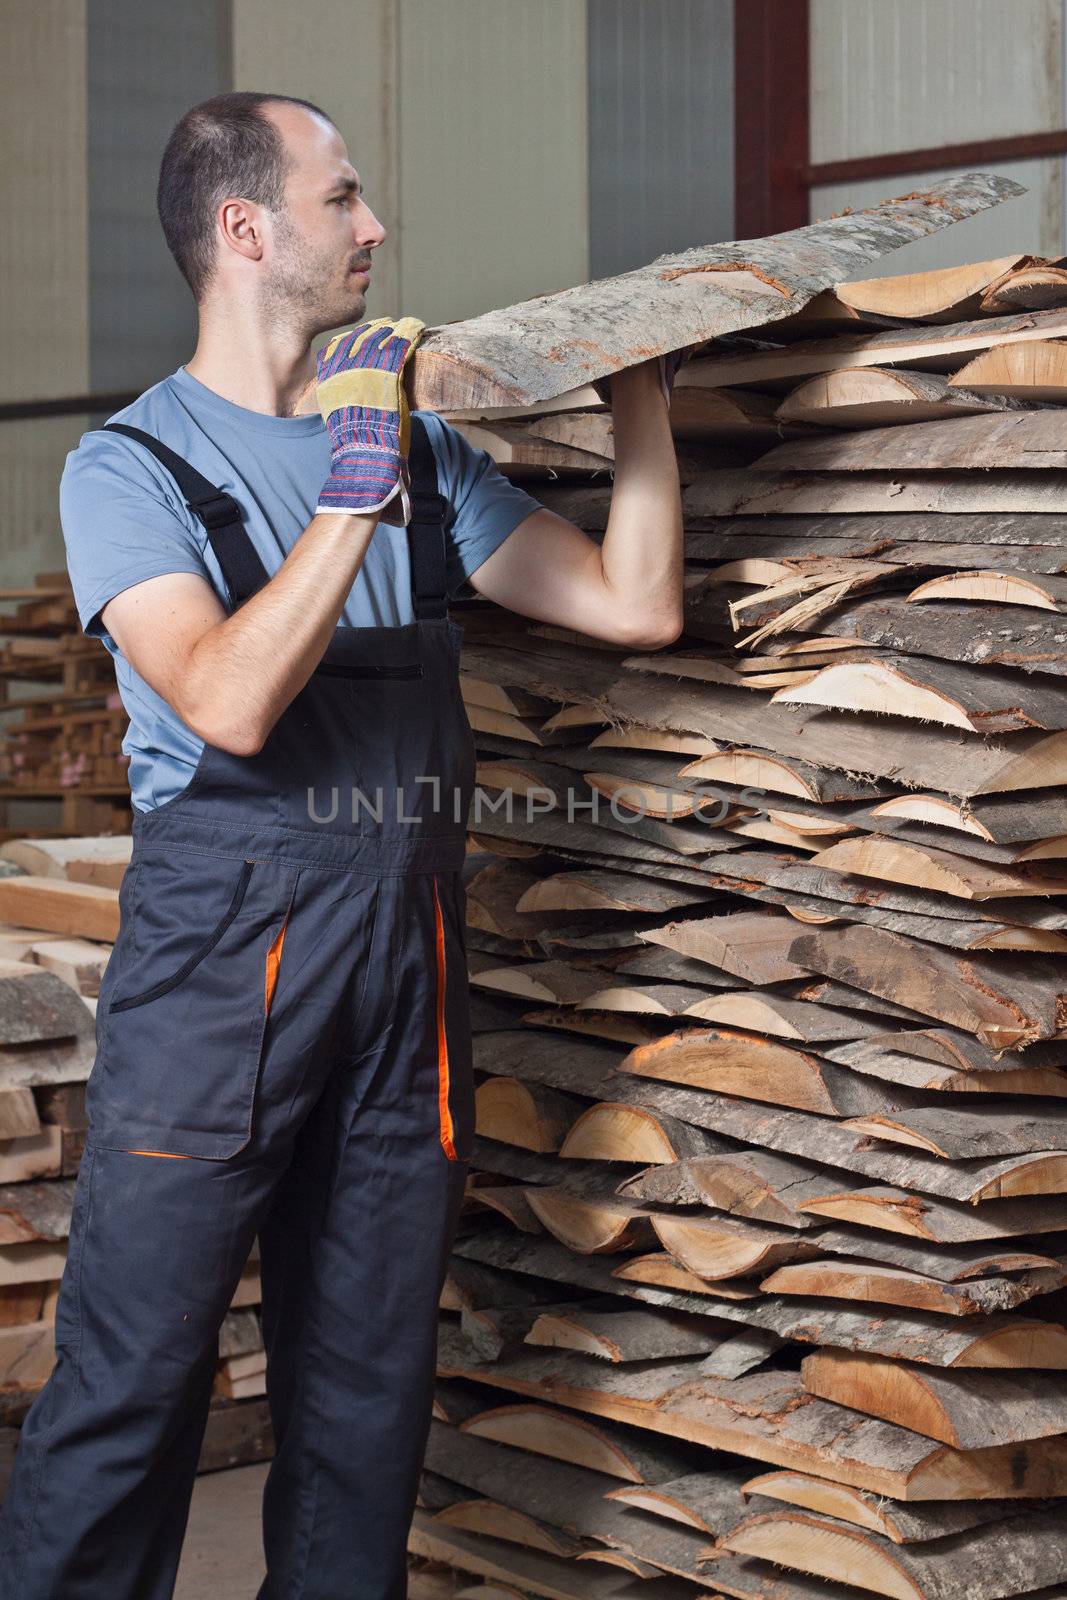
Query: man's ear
[[241, 228]]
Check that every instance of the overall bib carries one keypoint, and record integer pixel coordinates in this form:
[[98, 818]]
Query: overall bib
[[283, 1049]]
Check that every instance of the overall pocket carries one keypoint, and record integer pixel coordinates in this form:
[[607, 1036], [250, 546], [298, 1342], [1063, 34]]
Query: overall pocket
[[181, 1030]]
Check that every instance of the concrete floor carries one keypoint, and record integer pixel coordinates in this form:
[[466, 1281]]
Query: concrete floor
[[222, 1558]]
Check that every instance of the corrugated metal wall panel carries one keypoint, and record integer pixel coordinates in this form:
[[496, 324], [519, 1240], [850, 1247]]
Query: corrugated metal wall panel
[[340, 54], [906, 74], [493, 153], [147, 65], [661, 119], [910, 75]]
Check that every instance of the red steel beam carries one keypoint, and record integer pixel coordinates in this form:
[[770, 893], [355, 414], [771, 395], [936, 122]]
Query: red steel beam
[[771, 137], [981, 152]]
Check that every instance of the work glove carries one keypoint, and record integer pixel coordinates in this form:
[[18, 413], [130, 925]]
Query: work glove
[[360, 392]]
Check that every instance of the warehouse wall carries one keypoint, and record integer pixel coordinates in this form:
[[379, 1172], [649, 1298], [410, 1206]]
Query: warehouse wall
[[145, 65], [44, 313], [909, 76], [493, 153], [661, 124], [466, 122], [340, 54]]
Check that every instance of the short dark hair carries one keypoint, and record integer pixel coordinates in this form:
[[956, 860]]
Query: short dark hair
[[220, 147]]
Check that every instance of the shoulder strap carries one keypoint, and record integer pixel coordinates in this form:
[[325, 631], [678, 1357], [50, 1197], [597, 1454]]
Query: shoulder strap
[[218, 511], [239, 559], [426, 530]]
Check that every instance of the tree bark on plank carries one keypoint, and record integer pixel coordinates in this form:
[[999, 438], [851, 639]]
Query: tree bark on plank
[[894, 1520], [909, 1290], [36, 1006], [732, 492], [530, 1115], [813, 1138], [727, 1247], [968, 1410], [634, 1133], [937, 348], [879, 397], [947, 761], [625, 1455], [910, 1333], [557, 342], [1016, 441], [939, 1221], [982, 540], [933, 691], [757, 1069], [576, 1499], [1014, 637], [769, 1417], [755, 539], [30, 1211], [995, 588], [952, 1048], [522, 1572], [1007, 1002], [617, 1334], [911, 1072], [745, 1183], [991, 1563]]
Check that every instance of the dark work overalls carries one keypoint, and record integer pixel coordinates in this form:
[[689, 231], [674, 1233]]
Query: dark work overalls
[[283, 1049]]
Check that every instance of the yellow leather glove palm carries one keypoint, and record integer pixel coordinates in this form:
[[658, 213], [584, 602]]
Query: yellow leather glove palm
[[360, 393]]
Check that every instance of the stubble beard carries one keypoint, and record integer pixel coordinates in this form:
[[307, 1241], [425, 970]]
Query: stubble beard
[[308, 288]]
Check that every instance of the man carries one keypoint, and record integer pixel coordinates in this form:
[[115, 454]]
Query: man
[[283, 1036]]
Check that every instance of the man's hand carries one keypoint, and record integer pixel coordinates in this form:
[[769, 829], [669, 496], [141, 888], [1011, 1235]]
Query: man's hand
[[360, 392], [666, 369]]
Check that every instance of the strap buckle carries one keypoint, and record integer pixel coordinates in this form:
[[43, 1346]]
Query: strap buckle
[[216, 510]]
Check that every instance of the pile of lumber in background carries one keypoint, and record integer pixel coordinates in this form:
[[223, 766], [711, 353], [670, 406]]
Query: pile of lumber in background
[[62, 769], [759, 1289]]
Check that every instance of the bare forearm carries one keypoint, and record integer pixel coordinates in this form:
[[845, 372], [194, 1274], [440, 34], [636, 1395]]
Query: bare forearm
[[642, 552], [243, 673]]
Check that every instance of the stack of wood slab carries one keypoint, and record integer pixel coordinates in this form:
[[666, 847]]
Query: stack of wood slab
[[59, 916], [61, 719], [759, 1289]]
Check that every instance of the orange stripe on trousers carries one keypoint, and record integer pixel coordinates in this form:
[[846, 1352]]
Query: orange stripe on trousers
[[274, 961], [444, 1114]]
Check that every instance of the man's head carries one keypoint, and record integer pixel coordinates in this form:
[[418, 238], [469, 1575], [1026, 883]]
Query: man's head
[[258, 199]]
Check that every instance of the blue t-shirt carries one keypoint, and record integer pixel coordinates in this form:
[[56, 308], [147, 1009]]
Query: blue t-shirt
[[125, 519]]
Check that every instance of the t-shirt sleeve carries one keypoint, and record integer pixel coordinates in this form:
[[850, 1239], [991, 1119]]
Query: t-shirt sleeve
[[120, 525], [487, 507]]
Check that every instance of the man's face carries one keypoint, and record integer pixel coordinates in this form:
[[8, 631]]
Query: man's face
[[320, 256]]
